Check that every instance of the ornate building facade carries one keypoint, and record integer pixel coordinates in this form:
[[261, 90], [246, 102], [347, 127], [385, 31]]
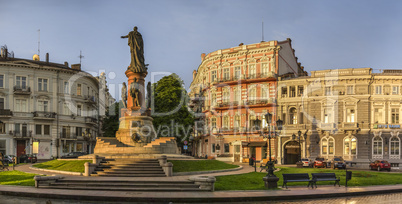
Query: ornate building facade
[[231, 91], [49, 109], [353, 113]]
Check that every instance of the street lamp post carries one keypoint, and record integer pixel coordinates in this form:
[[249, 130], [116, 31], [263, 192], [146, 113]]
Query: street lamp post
[[271, 181]]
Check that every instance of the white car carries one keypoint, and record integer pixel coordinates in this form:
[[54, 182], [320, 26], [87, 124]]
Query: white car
[[307, 162]]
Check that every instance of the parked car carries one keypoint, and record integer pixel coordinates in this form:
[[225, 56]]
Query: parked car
[[380, 165], [72, 155], [9, 158], [320, 162], [307, 162], [28, 158], [338, 162]]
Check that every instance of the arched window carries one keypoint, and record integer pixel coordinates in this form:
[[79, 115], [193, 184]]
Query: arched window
[[237, 94], [327, 146], [394, 146], [293, 116], [265, 68], [377, 146], [252, 71], [350, 146]]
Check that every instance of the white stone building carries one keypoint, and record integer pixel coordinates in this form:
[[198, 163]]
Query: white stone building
[[49, 109]]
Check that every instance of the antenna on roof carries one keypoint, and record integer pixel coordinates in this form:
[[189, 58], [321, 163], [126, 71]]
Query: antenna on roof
[[39, 42], [80, 56], [262, 30]]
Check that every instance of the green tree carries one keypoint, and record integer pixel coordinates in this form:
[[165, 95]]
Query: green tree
[[170, 112], [110, 123]]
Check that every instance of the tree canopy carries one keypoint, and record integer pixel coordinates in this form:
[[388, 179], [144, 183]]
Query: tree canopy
[[171, 115], [110, 123]]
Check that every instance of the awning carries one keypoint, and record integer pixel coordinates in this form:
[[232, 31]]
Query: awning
[[257, 144]]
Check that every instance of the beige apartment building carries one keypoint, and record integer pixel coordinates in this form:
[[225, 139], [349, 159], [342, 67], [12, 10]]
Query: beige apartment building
[[353, 113]]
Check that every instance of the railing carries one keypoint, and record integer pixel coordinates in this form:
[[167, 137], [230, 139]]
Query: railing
[[90, 120], [90, 99], [22, 90], [44, 115], [64, 135], [6, 113], [352, 125], [327, 126], [20, 134]]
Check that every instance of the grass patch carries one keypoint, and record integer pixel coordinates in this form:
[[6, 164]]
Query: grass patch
[[17, 178], [253, 180], [64, 165], [200, 165]]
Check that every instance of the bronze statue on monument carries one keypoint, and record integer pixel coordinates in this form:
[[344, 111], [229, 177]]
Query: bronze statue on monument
[[134, 92], [136, 44], [124, 94]]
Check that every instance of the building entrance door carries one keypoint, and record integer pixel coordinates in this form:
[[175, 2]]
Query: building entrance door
[[20, 147], [291, 152]]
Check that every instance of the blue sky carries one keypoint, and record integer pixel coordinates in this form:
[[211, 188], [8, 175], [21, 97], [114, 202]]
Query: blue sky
[[325, 34]]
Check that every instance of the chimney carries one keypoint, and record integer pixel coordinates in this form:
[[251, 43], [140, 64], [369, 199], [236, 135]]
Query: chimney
[[76, 66], [66, 64], [47, 57]]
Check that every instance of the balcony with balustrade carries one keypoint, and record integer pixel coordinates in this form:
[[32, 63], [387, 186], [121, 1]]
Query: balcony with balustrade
[[22, 90], [44, 115], [5, 113]]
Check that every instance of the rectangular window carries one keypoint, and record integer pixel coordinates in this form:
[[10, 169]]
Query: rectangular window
[[213, 76], [395, 90], [78, 110], [79, 90], [252, 71], [66, 109], [327, 91], [378, 90], [265, 69], [350, 115], [2, 127], [42, 84], [3, 146], [66, 87], [21, 82], [327, 116], [349, 90], [78, 131], [324, 146], [300, 91], [46, 129], [378, 115], [21, 105], [226, 74], [1, 81], [213, 122], [38, 129], [237, 121], [17, 128], [284, 92], [213, 148], [237, 72], [43, 106], [226, 148], [395, 115], [292, 91], [2, 103]]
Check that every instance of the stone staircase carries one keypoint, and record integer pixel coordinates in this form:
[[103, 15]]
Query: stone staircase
[[129, 168], [123, 185], [162, 141], [111, 145]]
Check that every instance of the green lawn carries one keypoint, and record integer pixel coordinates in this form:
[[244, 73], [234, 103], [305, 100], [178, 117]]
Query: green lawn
[[253, 180], [64, 165], [200, 165], [16, 178]]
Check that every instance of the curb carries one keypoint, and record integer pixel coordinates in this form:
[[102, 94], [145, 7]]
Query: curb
[[57, 171], [231, 196], [206, 172]]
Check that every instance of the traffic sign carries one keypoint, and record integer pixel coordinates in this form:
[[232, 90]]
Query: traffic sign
[[185, 147], [185, 142]]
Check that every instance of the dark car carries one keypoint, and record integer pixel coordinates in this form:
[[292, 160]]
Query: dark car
[[380, 165], [338, 162], [320, 162], [28, 158], [73, 155]]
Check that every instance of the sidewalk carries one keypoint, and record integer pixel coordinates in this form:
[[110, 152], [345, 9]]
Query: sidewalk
[[292, 193]]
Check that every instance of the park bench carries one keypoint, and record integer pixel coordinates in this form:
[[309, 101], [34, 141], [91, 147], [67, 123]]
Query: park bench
[[296, 178], [325, 177]]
